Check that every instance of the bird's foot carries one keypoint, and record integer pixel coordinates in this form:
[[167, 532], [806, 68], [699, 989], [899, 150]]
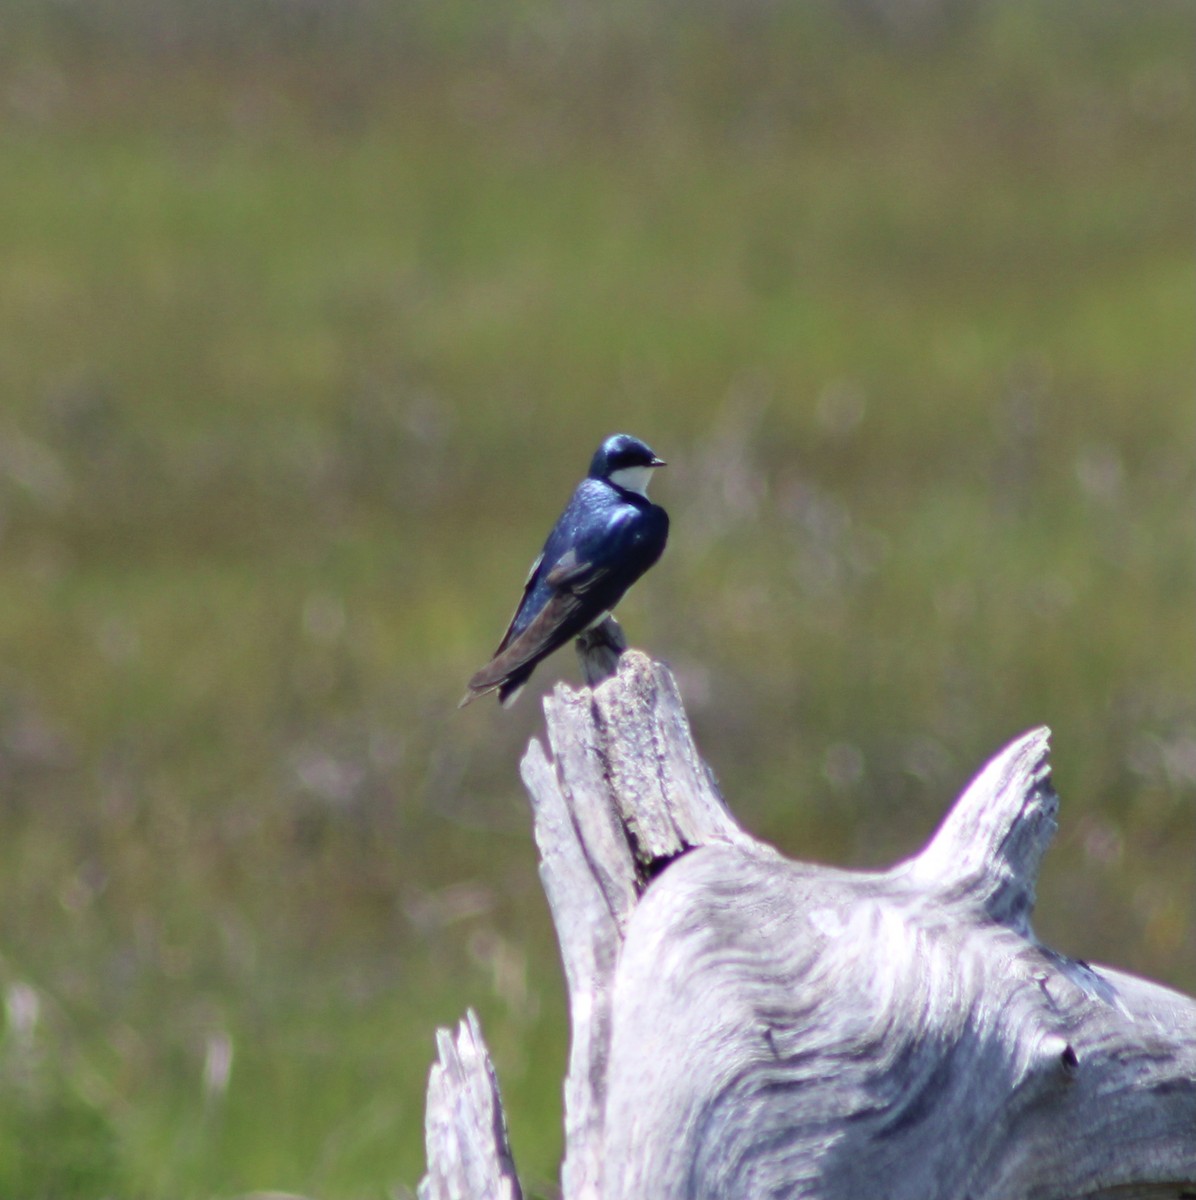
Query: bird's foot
[[599, 649]]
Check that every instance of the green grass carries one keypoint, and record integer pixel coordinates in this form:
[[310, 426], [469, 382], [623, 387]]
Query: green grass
[[307, 327]]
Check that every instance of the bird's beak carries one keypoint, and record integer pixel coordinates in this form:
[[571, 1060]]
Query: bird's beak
[[658, 462]]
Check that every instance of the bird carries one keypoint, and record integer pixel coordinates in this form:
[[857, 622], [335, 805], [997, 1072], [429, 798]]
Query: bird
[[609, 534]]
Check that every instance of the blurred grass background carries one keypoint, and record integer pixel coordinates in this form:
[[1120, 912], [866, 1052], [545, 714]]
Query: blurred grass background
[[311, 316]]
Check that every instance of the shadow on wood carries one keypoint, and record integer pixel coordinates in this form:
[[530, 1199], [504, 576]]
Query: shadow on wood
[[746, 1026]]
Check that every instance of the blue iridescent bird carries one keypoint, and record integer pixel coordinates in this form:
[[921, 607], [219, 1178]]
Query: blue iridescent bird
[[609, 534]]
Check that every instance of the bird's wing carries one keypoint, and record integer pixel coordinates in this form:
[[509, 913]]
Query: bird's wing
[[529, 583], [563, 616], [553, 625], [575, 574], [572, 572]]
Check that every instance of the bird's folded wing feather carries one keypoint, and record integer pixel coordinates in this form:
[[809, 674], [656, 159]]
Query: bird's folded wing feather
[[552, 626], [571, 577], [540, 638], [574, 574], [528, 584]]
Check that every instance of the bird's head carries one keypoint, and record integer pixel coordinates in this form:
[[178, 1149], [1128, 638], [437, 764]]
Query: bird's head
[[626, 462]]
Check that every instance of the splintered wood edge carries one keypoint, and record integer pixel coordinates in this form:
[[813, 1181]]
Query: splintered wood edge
[[469, 1152], [588, 918], [990, 845], [640, 764]]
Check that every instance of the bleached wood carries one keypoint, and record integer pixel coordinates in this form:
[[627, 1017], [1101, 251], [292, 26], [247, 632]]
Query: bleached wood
[[745, 1026], [589, 921], [469, 1155], [990, 845]]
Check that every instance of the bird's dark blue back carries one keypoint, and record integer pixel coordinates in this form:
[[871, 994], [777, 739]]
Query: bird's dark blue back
[[604, 526]]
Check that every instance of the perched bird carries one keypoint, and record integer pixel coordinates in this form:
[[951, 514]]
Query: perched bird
[[607, 537]]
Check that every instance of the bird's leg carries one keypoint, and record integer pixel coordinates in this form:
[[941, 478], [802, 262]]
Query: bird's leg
[[599, 648]]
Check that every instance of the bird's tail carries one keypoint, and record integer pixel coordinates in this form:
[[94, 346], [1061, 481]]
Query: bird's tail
[[486, 681]]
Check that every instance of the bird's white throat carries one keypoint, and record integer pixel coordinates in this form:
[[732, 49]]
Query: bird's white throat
[[633, 479]]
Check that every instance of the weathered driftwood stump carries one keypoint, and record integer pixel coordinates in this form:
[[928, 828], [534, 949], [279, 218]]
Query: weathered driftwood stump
[[745, 1026]]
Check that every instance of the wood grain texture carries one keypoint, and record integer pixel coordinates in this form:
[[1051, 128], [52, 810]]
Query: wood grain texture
[[744, 1026], [469, 1156]]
